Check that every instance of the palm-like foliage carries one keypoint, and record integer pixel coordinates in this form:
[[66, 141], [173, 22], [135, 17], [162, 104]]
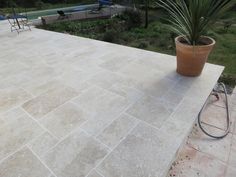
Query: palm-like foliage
[[191, 18]]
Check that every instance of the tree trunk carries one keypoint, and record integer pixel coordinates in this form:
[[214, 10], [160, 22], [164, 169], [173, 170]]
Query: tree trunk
[[146, 13]]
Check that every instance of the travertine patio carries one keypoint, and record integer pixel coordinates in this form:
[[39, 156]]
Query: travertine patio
[[75, 107]]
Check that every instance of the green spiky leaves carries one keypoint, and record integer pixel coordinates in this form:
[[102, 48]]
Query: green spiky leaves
[[191, 18]]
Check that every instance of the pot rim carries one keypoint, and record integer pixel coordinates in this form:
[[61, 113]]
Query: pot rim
[[190, 46]]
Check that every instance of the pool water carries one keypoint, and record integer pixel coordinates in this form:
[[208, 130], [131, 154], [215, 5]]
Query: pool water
[[36, 14]]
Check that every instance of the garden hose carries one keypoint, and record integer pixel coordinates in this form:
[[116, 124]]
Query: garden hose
[[215, 93]]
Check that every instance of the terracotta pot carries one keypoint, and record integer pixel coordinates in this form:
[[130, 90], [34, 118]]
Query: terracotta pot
[[191, 59]]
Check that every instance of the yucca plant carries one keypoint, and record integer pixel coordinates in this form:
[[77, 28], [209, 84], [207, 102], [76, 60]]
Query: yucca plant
[[191, 18]]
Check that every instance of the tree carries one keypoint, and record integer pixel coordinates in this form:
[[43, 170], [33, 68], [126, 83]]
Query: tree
[[146, 12], [7, 3]]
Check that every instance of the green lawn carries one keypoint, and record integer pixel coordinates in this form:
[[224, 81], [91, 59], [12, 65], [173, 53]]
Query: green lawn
[[157, 37], [225, 50]]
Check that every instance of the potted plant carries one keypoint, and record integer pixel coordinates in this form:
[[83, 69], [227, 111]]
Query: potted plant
[[190, 19]]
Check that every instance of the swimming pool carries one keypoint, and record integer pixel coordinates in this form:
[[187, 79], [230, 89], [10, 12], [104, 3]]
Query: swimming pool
[[36, 14]]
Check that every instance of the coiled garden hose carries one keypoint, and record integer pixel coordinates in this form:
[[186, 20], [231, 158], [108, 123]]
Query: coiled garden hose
[[214, 92]]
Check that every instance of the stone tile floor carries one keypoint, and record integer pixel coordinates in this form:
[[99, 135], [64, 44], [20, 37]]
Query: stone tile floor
[[204, 156], [75, 107]]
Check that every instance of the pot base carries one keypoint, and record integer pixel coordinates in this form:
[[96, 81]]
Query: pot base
[[188, 74]]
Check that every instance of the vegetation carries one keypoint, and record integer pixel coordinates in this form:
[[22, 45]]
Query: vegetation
[[224, 52], [192, 18]]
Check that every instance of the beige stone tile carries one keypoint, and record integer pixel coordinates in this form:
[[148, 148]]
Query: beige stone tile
[[199, 90], [115, 63], [191, 162], [64, 119], [219, 148], [46, 102], [38, 75], [75, 156], [184, 84], [78, 86], [91, 100], [140, 72], [148, 80], [232, 156], [23, 163], [150, 110], [130, 93], [106, 109], [231, 172], [16, 134], [51, 175], [96, 124], [94, 174], [144, 152], [156, 87], [173, 97], [76, 78], [234, 91], [11, 116], [233, 119], [181, 121], [6, 84], [187, 110], [233, 99], [11, 97], [12, 69], [118, 130], [15, 81], [39, 71], [87, 98], [103, 106], [105, 79], [42, 144], [89, 63], [177, 129], [157, 61], [51, 85]]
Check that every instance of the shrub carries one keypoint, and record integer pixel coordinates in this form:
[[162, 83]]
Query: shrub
[[162, 42], [143, 45], [110, 36], [229, 80], [39, 4], [127, 37], [7, 3], [132, 18]]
